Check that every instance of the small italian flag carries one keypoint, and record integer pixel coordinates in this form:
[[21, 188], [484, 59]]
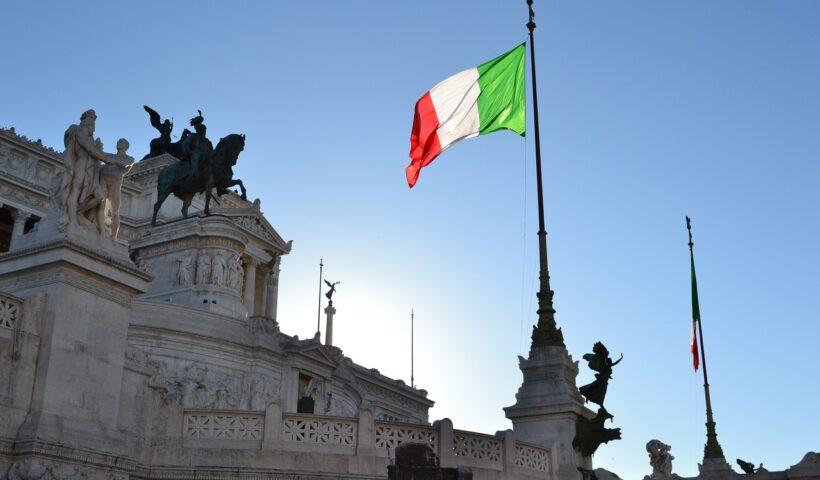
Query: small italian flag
[[474, 102]]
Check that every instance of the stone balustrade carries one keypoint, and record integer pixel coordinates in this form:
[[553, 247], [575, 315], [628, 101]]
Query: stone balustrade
[[486, 455], [10, 311]]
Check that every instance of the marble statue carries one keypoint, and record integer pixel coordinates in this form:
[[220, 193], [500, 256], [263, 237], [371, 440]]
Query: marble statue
[[660, 459], [183, 270], [203, 268], [92, 178], [110, 176], [236, 273], [218, 269]]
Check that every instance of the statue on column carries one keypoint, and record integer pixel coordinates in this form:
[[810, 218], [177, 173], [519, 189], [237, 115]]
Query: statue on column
[[330, 292]]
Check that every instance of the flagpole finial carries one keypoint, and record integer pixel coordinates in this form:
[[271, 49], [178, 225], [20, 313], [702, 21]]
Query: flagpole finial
[[689, 229], [531, 22]]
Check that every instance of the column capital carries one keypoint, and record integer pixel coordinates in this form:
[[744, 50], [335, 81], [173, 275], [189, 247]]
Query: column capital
[[20, 215]]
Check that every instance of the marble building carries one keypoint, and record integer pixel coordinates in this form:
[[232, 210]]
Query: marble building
[[131, 351]]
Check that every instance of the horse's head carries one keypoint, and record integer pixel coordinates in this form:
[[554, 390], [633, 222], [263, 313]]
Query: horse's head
[[228, 148]]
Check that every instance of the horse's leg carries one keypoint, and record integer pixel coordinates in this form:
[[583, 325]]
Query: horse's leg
[[233, 183], [186, 202], [209, 185], [161, 196]]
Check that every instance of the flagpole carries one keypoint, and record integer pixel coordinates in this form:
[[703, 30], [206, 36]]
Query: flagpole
[[712, 449], [412, 348], [319, 302], [546, 333]]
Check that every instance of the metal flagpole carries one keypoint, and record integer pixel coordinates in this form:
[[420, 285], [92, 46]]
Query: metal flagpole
[[546, 332], [412, 348], [319, 302], [712, 448]]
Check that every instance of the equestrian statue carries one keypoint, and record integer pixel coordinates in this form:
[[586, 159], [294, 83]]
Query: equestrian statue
[[201, 167]]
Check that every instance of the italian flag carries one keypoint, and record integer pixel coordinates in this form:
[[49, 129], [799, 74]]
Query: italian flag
[[474, 102]]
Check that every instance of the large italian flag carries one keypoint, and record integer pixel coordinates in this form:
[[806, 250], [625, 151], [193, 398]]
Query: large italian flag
[[474, 102]]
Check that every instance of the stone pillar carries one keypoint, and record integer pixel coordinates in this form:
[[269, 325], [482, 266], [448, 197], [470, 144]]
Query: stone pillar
[[446, 457], [250, 284], [273, 427], [273, 291], [20, 219], [548, 405], [508, 446], [330, 310]]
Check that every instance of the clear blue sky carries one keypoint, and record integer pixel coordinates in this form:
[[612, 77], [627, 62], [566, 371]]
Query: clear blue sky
[[649, 111]]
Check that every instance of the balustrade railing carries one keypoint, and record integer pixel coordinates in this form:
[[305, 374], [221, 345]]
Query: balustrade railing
[[390, 435], [343, 436], [477, 446], [319, 429]]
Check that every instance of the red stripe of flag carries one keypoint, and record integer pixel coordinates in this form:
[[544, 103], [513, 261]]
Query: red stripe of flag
[[424, 144], [693, 344]]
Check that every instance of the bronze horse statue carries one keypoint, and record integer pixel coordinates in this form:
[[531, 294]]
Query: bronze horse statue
[[214, 170]]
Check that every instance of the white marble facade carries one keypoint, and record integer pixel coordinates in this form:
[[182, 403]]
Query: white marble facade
[[121, 359]]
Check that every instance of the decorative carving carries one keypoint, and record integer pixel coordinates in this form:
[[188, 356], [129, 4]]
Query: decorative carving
[[9, 311], [263, 391], [195, 387], [219, 269], [391, 435], [203, 268], [660, 459], [475, 446], [223, 426], [33, 468], [236, 274], [183, 270], [311, 429], [532, 457]]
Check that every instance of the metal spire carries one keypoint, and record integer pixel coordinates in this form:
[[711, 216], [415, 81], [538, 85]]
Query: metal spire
[[546, 333]]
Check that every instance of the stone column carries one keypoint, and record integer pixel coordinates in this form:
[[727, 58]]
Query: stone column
[[20, 217], [446, 457], [250, 284], [330, 310], [273, 291]]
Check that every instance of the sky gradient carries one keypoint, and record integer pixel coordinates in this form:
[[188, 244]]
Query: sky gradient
[[649, 111]]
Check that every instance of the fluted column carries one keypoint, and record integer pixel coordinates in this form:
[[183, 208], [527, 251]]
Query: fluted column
[[250, 284], [20, 219], [272, 289]]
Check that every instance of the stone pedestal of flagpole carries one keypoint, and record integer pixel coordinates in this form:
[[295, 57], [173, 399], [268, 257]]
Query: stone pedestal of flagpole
[[330, 310], [716, 469], [548, 406]]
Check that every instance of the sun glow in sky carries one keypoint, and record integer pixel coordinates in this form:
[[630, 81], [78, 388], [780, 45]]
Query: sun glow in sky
[[649, 111]]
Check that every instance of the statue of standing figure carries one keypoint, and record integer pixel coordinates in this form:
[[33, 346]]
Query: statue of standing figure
[[92, 179], [203, 268], [183, 273], [218, 269]]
